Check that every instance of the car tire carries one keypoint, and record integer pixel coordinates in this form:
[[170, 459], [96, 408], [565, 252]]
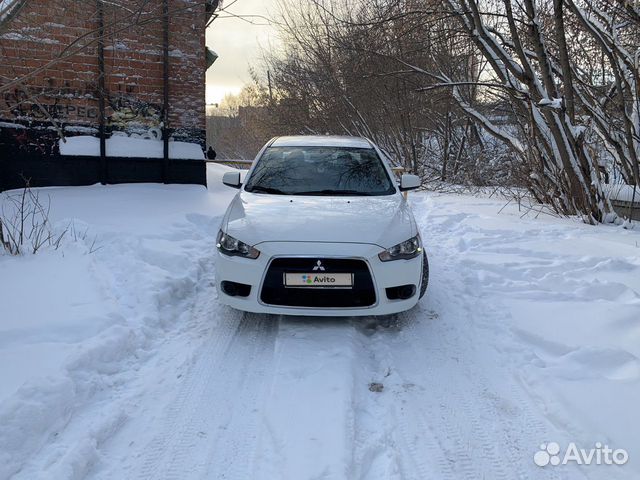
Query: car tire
[[425, 275]]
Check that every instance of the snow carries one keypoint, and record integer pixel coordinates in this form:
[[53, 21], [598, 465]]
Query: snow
[[15, 36], [554, 103], [321, 140], [132, 147], [117, 361], [12, 125], [623, 193]]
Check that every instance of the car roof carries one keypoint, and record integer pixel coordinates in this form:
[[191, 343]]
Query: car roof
[[321, 141]]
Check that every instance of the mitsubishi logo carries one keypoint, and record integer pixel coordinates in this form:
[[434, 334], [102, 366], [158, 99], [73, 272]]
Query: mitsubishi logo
[[318, 266]]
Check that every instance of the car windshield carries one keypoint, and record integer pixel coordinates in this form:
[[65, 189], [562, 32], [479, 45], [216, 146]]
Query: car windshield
[[320, 171]]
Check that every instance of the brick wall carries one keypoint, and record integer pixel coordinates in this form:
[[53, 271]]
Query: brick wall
[[54, 42]]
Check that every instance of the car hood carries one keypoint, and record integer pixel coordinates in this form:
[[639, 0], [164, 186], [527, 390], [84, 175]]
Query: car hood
[[256, 218]]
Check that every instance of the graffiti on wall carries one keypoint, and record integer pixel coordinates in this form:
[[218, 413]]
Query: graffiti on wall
[[26, 116], [22, 106], [124, 113], [134, 116]]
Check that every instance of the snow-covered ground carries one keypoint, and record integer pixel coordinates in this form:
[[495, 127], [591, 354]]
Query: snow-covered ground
[[116, 360]]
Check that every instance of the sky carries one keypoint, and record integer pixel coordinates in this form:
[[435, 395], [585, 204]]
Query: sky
[[238, 44]]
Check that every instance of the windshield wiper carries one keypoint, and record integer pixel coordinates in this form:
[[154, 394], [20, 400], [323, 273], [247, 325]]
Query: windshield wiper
[[262, 189], [335, 192]]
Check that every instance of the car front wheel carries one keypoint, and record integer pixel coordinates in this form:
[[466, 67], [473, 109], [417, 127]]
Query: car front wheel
[[425, 275]]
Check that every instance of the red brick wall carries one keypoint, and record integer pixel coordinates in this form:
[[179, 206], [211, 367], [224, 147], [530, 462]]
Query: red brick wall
[[48, 31]]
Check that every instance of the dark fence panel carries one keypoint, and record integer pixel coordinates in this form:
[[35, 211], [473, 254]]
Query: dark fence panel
[[47, 171], [627, 209]]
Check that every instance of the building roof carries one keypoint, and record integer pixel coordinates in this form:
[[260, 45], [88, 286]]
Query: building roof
[[321, 141]]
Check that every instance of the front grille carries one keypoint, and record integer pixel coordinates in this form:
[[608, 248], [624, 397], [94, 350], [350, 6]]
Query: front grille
[[362, 294]]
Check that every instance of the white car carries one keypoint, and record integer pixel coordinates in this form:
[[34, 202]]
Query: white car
[[320, 227]]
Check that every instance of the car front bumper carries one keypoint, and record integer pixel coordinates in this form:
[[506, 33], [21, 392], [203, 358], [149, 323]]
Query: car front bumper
[[253, 272]]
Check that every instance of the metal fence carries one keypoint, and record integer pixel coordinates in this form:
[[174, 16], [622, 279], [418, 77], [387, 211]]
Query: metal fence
[[239, 164]]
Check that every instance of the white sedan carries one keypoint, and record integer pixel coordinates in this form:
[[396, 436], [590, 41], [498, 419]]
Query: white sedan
[[320, 227]]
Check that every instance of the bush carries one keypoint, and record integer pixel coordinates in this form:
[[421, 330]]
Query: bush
[[24, 223]]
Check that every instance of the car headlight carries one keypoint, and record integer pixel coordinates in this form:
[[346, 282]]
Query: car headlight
[[403, 251], [235, 248]]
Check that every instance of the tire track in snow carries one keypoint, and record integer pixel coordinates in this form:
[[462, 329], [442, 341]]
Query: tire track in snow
[[392, 439], [422, 452], [425, 456], [446, 421], [236, 461], [307, 417], [375, 438], [233, 358], [480, 432], [448, 418]]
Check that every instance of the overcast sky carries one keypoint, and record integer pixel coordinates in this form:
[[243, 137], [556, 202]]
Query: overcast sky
[[238, 44]]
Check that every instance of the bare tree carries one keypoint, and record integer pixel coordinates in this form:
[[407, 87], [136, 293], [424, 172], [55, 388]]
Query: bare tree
[[424, 87], [339, 68], [8, 10]]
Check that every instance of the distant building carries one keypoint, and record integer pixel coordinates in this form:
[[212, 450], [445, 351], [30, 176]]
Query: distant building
[[102, 68]]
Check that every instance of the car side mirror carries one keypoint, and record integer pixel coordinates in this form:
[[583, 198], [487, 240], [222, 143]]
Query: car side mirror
[[232, 179], [409, 182]]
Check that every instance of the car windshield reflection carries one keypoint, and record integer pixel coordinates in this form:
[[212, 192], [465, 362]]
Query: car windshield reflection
[[330, 171]]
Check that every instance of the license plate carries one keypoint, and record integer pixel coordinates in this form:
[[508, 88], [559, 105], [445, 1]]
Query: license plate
[[318, 280]]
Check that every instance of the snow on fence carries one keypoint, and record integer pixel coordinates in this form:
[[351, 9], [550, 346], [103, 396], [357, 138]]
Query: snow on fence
[[130, 147], [625, 200]]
